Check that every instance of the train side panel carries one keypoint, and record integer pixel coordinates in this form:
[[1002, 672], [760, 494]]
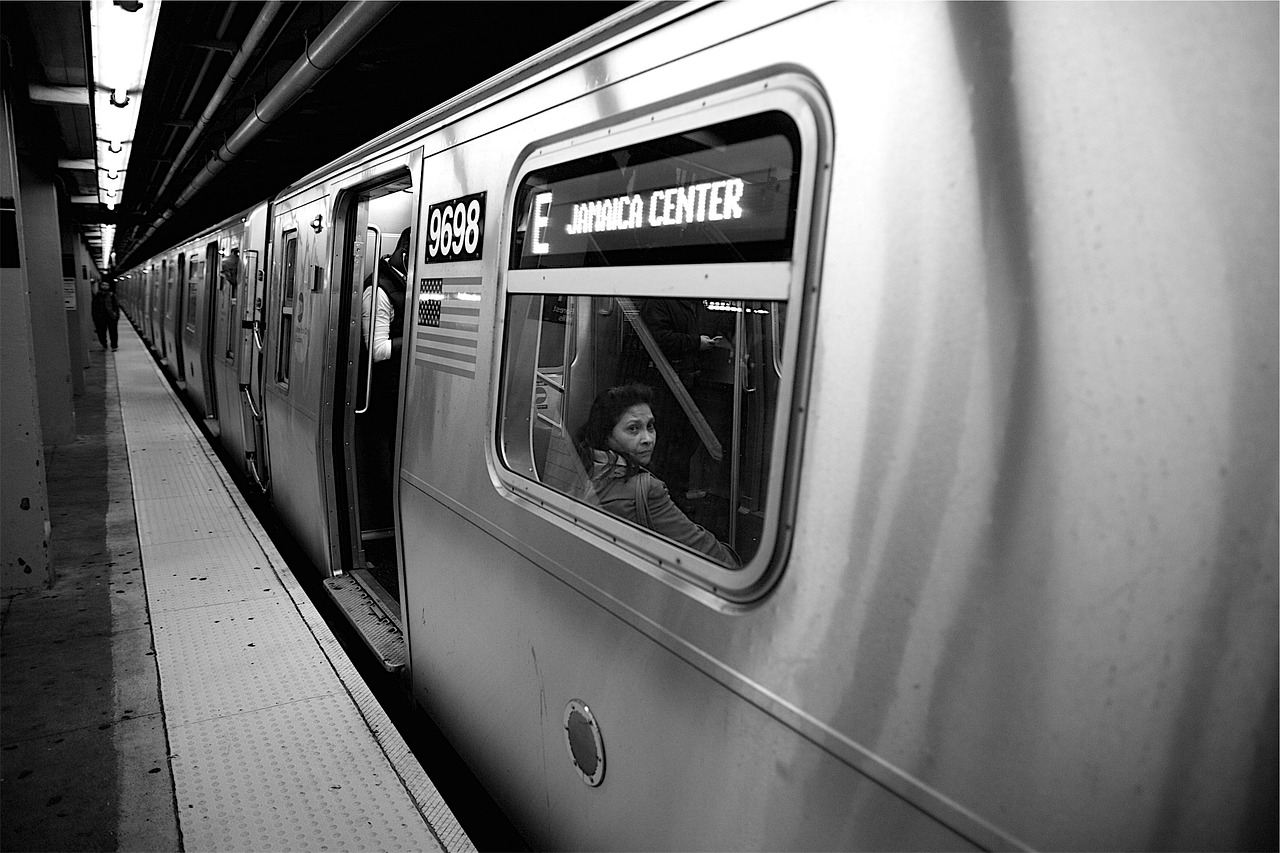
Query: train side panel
[[224, 343], [1023, 507], [295, 340], [552, 646], [202, 267], [688, 764], [1009, 577]]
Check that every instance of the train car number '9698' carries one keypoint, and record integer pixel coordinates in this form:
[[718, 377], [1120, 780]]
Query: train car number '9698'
[[455, 229]]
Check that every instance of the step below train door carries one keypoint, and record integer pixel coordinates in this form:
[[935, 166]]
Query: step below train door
[[375, 263]]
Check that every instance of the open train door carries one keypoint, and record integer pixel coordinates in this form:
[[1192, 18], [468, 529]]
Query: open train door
[[164, 313], [251, 359], [212, 285], [179, 320], [366, 416]]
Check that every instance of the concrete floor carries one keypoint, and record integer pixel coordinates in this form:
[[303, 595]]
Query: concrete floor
[[84, 762]]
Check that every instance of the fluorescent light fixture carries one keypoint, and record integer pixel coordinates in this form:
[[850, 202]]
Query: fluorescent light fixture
[[108, 237], [122, 42]]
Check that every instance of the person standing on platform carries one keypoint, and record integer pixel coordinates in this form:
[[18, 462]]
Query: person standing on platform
[[106, 314]]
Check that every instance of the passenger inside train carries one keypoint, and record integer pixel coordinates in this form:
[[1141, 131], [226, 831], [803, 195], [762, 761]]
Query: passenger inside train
[[564, 351], [714, 358], [686, 333], [616, 444], [385, 301], [230, 268]]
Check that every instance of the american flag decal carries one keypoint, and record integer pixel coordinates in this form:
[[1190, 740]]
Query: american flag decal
[[448, 329]]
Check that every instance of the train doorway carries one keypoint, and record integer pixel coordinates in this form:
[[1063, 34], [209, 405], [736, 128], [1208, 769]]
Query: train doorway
[[164, 317], [213, 285], [179, 320], [376, 262]]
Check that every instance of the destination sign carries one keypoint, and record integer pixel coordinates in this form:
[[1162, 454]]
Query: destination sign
[[711, 201], [723, 193]]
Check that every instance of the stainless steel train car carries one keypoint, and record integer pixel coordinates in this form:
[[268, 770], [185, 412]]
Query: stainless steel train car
[[990, 425]]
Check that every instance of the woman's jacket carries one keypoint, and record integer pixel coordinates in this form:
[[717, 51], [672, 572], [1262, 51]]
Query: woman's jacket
[[613, 480]]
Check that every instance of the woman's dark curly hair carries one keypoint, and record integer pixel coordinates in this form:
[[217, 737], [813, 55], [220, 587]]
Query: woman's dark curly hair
[[605, 412]]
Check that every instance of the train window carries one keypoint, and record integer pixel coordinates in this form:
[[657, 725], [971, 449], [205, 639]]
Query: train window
[[711, 405], [649, 338], [288, 272]]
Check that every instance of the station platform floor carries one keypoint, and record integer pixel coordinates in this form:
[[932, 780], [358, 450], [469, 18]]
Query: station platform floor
[[174, 688]]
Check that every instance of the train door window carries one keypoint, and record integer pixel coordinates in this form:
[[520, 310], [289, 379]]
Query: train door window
[[193, 285], [166, 278], [669, 255], [170, 303], [229, 278], [288, 270]]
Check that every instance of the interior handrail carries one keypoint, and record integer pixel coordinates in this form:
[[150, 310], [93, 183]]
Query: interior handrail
[[373, 310]]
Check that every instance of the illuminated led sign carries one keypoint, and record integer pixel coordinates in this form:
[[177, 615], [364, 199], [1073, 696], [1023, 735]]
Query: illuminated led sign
[[723, 193], [711, 201]]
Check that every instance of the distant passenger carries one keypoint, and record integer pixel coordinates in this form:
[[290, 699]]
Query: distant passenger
[[230, 269], [106, 313], [687, 334], [616, 445]]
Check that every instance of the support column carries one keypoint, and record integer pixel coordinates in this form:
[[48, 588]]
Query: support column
[[24, 502], [84, 297], [77, 349], [42, 245]]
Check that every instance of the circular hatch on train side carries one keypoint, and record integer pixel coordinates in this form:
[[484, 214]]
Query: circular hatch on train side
[[586, 747]]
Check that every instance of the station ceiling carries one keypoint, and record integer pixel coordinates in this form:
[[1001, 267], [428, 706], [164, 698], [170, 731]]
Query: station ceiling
[[419, 55]]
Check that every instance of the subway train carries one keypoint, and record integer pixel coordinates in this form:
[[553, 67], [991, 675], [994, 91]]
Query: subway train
[[988, 421]]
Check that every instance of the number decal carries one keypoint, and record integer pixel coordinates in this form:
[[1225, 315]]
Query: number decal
[[459, 226], [473, 225], [455, 229], [433, 232]]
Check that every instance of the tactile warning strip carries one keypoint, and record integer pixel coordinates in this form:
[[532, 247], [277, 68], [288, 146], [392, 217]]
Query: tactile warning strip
[[276, 741], [193, 517], [223, 569], [238, 657], [294, 777]]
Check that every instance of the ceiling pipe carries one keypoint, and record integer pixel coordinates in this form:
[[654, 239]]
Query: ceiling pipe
[[356, 20], [247, 48]]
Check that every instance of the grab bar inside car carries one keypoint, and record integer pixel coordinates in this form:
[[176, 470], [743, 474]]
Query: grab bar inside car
[[373, 310]]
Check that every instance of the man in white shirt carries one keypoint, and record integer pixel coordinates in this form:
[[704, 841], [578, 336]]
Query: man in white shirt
[[377, 438], [388, 325]]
